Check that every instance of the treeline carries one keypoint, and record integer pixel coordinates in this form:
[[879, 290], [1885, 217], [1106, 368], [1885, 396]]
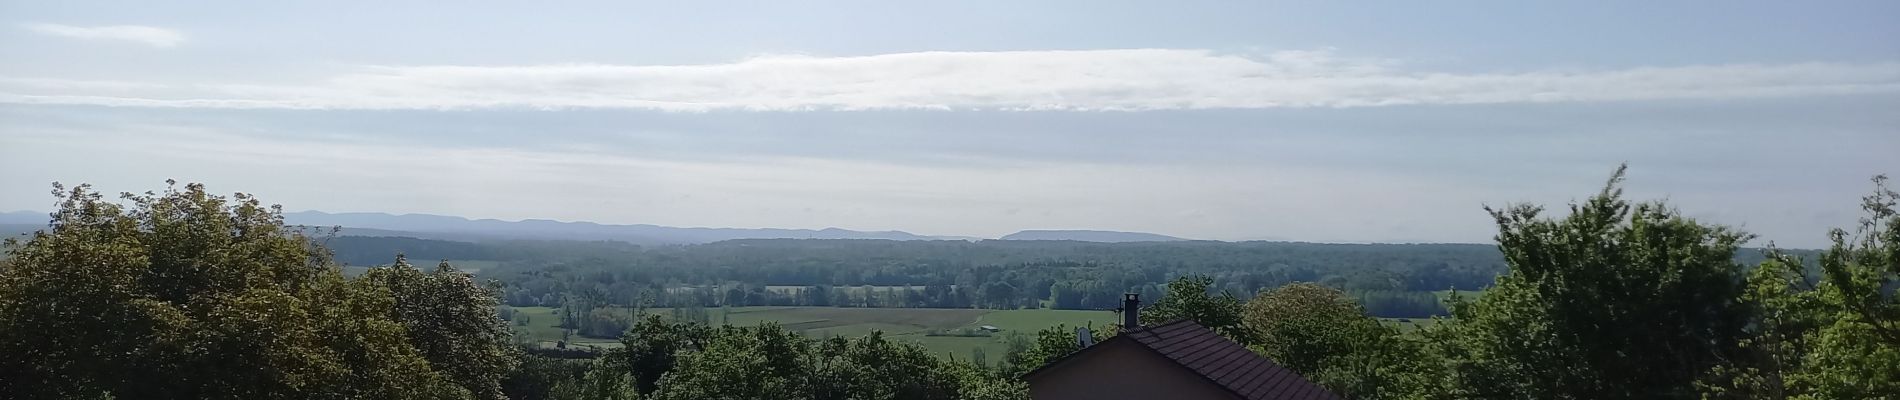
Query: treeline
[[1616, 300], [371, 251], [1031, 265], [1390, 280], [942, 274]]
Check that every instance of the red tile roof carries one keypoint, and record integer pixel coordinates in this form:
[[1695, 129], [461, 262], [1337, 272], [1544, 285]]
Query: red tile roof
[[1226, 363]]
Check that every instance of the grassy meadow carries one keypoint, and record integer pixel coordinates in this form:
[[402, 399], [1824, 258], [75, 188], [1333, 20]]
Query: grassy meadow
[[903, 324], [906, 324]]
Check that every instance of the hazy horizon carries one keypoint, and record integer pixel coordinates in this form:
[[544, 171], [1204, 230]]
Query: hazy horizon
[[1307, 121]]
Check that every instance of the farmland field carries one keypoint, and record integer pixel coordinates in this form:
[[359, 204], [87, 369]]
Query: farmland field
[[1422, 322], [902, 324]]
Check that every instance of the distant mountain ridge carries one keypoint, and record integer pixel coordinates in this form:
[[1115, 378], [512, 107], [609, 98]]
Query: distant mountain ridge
[[458, 228], [444, 227], [24, 217], [1090, 236]]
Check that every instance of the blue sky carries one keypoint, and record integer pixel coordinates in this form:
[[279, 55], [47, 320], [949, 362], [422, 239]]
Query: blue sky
[[1321, 121]]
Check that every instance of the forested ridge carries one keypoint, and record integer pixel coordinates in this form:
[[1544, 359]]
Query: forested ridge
[[184, 294]]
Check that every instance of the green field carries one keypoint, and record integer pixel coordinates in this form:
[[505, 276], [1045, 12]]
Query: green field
[[904, 324], [1417, 323]]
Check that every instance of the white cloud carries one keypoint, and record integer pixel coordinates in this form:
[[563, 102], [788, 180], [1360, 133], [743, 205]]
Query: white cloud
[[147, 35], [793, 192], [1137, 79]]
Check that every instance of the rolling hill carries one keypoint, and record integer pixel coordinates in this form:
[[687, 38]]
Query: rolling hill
[[1090, 236], [458, 228]]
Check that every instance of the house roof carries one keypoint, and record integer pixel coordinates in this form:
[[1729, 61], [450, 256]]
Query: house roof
[[1223, 362]]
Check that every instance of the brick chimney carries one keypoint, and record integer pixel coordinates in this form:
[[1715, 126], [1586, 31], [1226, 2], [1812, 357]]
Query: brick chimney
[[1131, 311]]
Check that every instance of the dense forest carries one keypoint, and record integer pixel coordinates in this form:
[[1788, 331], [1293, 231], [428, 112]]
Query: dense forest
[[1390, 280], [185, 294]]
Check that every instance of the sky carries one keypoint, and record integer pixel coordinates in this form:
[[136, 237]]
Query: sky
[[1313, 121]]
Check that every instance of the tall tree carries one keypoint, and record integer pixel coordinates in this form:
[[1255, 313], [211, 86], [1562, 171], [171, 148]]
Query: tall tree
[[1613, 300], [185, 294], [1833, 337], [1301, 325], [1857, 352], [1320, 333], [1862, 269], [652, 347], [1050, 344], [452, 319]]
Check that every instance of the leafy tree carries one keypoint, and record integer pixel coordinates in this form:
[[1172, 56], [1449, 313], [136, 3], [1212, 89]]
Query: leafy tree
[[651, 349], [1301, 325], [1835, 337], [761, 362], [1612, 301], [1050, 344], [1320, 333], [1855, 352], [596, 384], [452, 319], [1189, 297], [979, 383], [185, 294], [536, 377], [1862, 269], [768, 362]]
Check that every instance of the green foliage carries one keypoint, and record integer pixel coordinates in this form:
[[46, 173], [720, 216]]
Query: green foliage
[[452, 319], [1861, 271], [1048, 345], [596, 384], [1189, 297], [1835, 338], [955, 274], [184, 294], [536, 377], [1303, 324], [1319, 332], [652, 348], [1612, 301], [769, 362]]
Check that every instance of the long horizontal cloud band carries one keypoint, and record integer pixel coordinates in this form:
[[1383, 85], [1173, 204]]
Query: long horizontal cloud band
[[1138, 79]]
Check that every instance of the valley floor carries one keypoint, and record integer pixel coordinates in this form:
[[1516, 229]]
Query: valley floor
[[919, 325]]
